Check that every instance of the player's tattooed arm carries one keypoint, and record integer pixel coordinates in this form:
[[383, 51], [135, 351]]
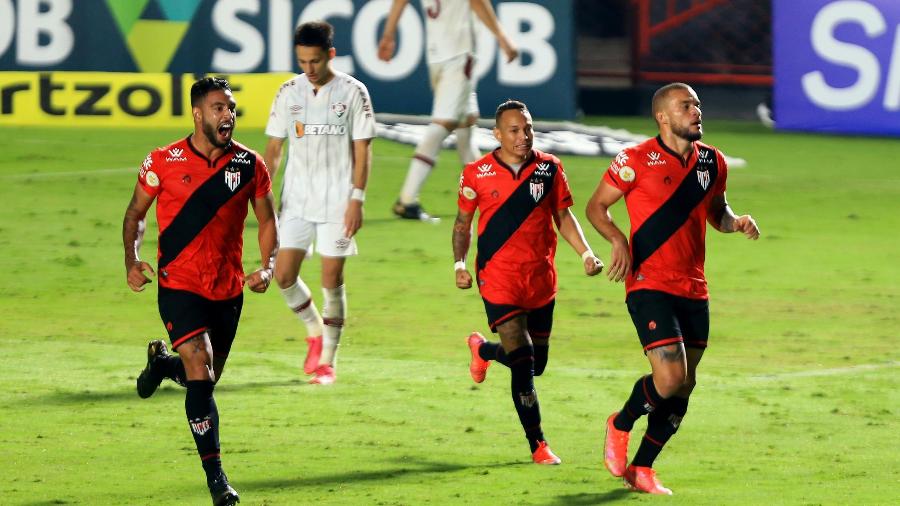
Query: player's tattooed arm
[[462, 236], [723, 219], [132, 234]]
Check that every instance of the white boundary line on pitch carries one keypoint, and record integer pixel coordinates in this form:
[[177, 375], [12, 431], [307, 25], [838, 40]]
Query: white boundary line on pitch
[[834, 371], [72, 173]]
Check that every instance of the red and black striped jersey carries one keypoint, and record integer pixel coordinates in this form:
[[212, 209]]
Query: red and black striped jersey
[[668, 203], [516, 234], [201, 205]]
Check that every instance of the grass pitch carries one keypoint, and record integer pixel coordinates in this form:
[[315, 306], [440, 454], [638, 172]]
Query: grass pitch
[[796, 402]]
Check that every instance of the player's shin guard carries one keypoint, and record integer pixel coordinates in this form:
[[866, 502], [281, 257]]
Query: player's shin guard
[[333, 316], [465, 144], [420, 167], [299, 299], [541, 355], [662, 424], [644, 399], [493, 351], [203, 419], [521, 364]]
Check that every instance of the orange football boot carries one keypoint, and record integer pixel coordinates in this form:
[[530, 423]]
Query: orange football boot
[[313, 352], [643, 479], [616, 448], [478, 366], [544, 455], [324, 375]]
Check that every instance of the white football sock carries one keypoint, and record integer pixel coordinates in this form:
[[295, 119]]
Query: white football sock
[[422, 162], [465, 145], [299, 299], [333, 312]]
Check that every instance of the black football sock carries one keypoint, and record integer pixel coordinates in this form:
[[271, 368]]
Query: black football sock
[[172, 367], [521, 364], [644, 399], [493, 351], [662, 424], [541, 354], [203, 419]]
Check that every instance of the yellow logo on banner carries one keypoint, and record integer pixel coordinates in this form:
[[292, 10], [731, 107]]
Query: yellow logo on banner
[[153, 29], [124, 99]]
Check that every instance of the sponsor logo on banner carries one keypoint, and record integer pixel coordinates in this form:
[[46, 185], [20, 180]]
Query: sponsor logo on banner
[[232, 178], [537, 190], [176, 155], [703, 178]]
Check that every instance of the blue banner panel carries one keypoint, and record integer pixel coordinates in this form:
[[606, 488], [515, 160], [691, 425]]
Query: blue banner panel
[[256, 36], [837, 66]]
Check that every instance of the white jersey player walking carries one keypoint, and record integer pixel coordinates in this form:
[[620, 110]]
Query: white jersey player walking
[[327, 115], [450, 34]]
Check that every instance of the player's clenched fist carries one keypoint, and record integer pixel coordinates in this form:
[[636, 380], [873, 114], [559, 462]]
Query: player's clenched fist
[[592, 265], [258, 281], [463, 279], [135, 276]]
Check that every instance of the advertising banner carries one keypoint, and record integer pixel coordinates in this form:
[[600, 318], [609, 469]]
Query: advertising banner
[[256, 36], [837, 66]]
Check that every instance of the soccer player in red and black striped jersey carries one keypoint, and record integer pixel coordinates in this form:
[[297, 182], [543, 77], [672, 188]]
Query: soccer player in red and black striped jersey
[[673, 185], [519, 193], [202, 185]]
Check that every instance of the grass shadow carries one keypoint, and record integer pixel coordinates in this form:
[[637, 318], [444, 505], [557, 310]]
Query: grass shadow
[[616, 495]]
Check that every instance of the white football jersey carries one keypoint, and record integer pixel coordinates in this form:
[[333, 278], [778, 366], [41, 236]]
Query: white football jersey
[[449, 29], [318, 176]]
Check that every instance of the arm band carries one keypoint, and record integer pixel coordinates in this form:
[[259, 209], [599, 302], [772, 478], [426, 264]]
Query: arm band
[[358, 194]]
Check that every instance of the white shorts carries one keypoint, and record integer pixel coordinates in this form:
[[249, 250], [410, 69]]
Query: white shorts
[[297, 233], [453, 84]]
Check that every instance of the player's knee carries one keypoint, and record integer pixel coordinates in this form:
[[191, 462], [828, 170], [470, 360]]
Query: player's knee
[[687, 386], [198, 366], [669, 383]]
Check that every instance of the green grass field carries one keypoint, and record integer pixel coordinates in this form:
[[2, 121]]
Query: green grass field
[[797, 401]]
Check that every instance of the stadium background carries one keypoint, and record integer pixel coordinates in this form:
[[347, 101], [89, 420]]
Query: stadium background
[[798, 402]]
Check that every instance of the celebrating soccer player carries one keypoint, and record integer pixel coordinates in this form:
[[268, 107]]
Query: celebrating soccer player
[[673, 184], [519, 193], [327, 116], [450, 34], [202, 185]]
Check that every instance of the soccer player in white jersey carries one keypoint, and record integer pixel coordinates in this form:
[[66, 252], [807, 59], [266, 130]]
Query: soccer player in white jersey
[[327, 118], [450, 34]]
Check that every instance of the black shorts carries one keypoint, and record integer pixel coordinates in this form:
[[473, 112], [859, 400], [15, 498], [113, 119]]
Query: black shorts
[[540, 320], [187, 314], [662, 318]]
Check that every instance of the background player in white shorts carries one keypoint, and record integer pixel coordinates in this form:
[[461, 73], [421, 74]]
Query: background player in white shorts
[[327, 115], [450, 34]]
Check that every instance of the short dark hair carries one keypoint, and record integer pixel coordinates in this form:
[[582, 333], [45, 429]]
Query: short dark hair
[[509, 105], [315, 34], [662, 93], [202, 88]]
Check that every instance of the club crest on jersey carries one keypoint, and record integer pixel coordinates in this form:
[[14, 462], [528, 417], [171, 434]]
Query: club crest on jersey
[[339, 108], [703, 178], [537, 189], [232, 178]]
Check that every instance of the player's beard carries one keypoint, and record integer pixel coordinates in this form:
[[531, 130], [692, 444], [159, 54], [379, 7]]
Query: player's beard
[[212, 135], [686, 134]]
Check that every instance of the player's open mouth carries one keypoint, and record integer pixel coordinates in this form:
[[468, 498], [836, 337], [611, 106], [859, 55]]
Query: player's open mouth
[[225, 129]]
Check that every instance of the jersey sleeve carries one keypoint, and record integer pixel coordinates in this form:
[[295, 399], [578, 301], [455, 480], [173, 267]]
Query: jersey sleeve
[[620, 173], [363, 116], [562, 194], [149, 174], [723, 173], [263, 180], [468, 195], [279, 121]]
